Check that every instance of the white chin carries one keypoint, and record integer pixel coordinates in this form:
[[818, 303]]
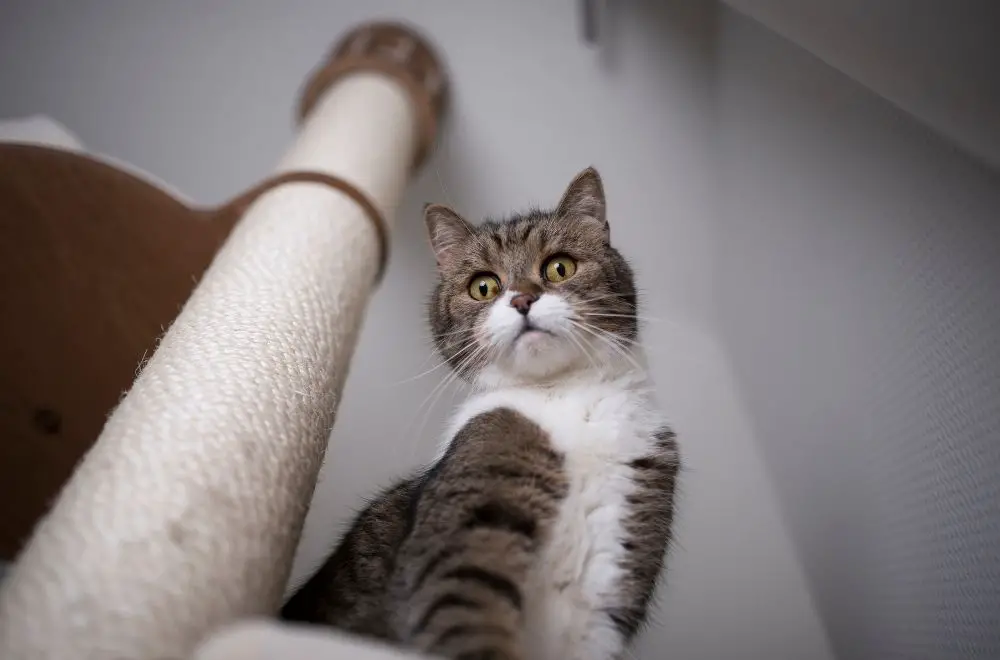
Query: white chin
[[533, 342], [539, 353]]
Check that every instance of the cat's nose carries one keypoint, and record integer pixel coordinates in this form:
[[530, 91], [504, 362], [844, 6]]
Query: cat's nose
[[522, 302]]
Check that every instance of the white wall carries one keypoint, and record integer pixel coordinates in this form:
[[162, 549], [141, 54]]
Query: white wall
[[858, 290], [201, 94]]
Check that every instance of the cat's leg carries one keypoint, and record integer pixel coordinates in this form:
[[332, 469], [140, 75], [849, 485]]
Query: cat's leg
[[648, 532], [601, 589], [348, 590], [480, 519]]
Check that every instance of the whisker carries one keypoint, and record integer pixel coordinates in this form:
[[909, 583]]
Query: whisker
[[638, 317], [623, 341], [579, 344], [625, 344], [440, 388], [621, 296], [426, 409], [460, 331], [610, 342], [465, 347], [453, 374]]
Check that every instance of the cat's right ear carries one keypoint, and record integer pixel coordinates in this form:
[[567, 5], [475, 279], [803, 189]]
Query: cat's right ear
[[446, 230]]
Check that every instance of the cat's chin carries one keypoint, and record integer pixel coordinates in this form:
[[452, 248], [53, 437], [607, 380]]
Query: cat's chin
[[536, 355], [538, 349], [534, 340]]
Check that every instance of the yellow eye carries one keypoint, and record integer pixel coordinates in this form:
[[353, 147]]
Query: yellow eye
[[559, 269], [484, 287]]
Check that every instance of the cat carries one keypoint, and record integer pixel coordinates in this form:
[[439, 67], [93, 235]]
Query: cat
[[540, 530]]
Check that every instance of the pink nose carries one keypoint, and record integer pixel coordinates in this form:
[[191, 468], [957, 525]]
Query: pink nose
[[522, 302]]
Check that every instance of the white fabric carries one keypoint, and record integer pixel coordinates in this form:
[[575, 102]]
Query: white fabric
[[185, 514], [40, 130]]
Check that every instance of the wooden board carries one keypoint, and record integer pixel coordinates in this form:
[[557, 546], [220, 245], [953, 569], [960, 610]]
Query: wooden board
[[94, 265]]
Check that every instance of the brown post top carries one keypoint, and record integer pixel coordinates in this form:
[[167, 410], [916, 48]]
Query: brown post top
[[399, 52]]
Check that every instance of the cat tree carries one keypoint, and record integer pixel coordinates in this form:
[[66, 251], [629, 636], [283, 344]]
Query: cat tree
[[184, 514]]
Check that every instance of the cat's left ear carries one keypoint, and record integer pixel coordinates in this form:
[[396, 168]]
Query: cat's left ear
[[584, 201], [447, 231]]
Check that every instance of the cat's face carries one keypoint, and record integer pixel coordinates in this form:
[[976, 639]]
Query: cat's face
[[533, 296]]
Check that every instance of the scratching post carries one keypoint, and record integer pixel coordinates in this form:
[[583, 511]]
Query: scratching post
[[185, 513]]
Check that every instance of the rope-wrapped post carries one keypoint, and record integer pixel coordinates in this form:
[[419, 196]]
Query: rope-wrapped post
[[185, 514]]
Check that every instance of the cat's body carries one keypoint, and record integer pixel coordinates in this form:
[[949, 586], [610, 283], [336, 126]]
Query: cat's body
[[540, 529], [593, 577]]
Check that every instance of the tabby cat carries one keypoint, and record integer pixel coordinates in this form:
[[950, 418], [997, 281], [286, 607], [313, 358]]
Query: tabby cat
[[541, 528]]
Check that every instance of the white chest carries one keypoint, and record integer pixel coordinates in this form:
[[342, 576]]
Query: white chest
[[593, 423], [599, 429]]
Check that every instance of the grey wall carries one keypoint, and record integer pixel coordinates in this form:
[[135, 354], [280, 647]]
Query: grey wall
[[858, 292]]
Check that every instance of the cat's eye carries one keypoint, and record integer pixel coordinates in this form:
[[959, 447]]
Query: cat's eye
[[559, 268], [484, 287]]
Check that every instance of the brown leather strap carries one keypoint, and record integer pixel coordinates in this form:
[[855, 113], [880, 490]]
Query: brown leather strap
[[238, 206]]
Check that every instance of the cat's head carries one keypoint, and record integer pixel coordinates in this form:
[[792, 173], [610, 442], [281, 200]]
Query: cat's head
[[531, 297]]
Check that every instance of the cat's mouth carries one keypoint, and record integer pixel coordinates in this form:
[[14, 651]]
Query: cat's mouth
[[529, 329]]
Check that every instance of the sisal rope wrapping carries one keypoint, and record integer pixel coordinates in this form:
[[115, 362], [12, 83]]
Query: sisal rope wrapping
[[185, 514]]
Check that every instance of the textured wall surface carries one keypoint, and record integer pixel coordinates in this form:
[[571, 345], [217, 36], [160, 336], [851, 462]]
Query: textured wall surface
[[859, 300]]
